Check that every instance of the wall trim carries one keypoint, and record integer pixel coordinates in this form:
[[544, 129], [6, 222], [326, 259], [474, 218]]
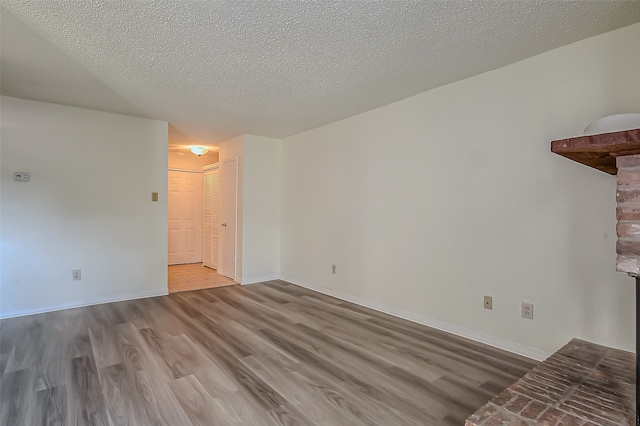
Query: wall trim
[[468, 333], [256, 280], [87, 302]]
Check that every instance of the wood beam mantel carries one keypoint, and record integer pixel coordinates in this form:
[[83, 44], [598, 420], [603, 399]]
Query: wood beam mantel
[[599, 151]]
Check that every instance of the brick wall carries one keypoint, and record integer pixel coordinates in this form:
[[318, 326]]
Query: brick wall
[[628, 214]]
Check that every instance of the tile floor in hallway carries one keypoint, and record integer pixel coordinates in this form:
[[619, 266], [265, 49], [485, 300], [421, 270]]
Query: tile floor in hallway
[[194, 276]]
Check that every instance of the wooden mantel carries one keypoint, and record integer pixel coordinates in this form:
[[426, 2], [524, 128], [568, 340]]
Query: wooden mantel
[[599, 151]]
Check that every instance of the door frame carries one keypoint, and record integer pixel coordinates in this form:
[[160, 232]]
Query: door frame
[[235, 214]]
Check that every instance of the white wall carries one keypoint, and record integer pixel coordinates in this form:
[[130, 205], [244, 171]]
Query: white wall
[[88, 206], [428, 204], [261, 213]]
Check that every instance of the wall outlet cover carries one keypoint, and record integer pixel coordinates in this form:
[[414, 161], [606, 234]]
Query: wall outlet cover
[[488, 302], [527, 310], [21, 176]]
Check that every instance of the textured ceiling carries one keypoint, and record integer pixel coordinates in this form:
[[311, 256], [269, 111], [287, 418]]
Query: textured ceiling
[[216, 69]]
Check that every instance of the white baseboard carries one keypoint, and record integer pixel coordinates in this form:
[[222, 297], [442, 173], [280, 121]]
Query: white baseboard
[[474, 335], [256, 280], [86, 302]]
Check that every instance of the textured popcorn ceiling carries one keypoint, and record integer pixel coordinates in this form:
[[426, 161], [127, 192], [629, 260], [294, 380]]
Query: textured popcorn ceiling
[[215, 69]]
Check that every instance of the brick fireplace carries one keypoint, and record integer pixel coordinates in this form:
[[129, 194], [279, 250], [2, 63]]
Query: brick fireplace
[[583, 383]]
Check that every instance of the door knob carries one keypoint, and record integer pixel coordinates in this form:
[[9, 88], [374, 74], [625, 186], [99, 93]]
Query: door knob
[[224, 224]]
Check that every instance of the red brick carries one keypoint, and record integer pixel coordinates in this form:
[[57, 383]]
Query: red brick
[[531, 394], [628, 212], [628, 229], [628, 195], [588, 413], [503, 398], [628, 247], [628, 161], [502, 418], [482, 414], [516, 405], [555, 386], [628, 176], [551, 417], [537, 389], [569, 420], [533, 410], [628, 264], [593, 400]]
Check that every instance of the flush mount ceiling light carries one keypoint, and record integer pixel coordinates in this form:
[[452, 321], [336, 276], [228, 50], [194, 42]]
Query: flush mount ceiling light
[[199, 150]]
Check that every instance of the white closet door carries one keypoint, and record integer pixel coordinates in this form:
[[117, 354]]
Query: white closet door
[[211, 218], [185, 217]]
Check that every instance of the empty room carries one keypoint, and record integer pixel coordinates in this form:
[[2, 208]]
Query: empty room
[[319, 212]]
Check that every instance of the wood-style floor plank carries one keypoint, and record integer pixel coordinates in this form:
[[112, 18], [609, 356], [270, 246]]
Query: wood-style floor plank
[[85, 398], [17, 399], [51, 407], [266, 354]]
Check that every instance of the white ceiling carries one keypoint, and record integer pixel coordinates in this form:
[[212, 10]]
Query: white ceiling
[[216, 69]]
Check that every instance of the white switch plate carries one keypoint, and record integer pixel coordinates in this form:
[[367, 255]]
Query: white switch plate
[[21, 176]]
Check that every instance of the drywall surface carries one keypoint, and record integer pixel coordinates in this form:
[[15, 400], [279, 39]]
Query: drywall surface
[[261, 212], [87, 206], [427, 204]]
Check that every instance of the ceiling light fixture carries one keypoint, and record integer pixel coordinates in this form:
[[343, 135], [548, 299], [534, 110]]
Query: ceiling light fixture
[[199, 150]]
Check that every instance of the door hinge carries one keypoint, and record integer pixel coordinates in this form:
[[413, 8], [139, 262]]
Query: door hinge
[[234, 260]]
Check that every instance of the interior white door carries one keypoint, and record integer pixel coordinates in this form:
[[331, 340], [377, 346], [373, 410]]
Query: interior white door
[[211, 217], [185, 217], [229, 203]]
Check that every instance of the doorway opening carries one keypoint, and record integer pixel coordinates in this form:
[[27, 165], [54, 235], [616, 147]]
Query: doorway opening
[[195, 221]]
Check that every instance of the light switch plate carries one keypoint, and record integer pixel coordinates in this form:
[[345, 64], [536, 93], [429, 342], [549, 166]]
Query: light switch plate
[[154, 196]]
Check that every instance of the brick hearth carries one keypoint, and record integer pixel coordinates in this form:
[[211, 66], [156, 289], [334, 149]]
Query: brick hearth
[[582, 384]]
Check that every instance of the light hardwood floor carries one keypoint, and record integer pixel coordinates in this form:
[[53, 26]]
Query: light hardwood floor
[[265, 354], [195, 276]]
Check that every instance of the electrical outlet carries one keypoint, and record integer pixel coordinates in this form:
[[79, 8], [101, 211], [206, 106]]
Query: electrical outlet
[[527, 310], [21, 176], [488, 302], [333, 269], [77, 275]]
